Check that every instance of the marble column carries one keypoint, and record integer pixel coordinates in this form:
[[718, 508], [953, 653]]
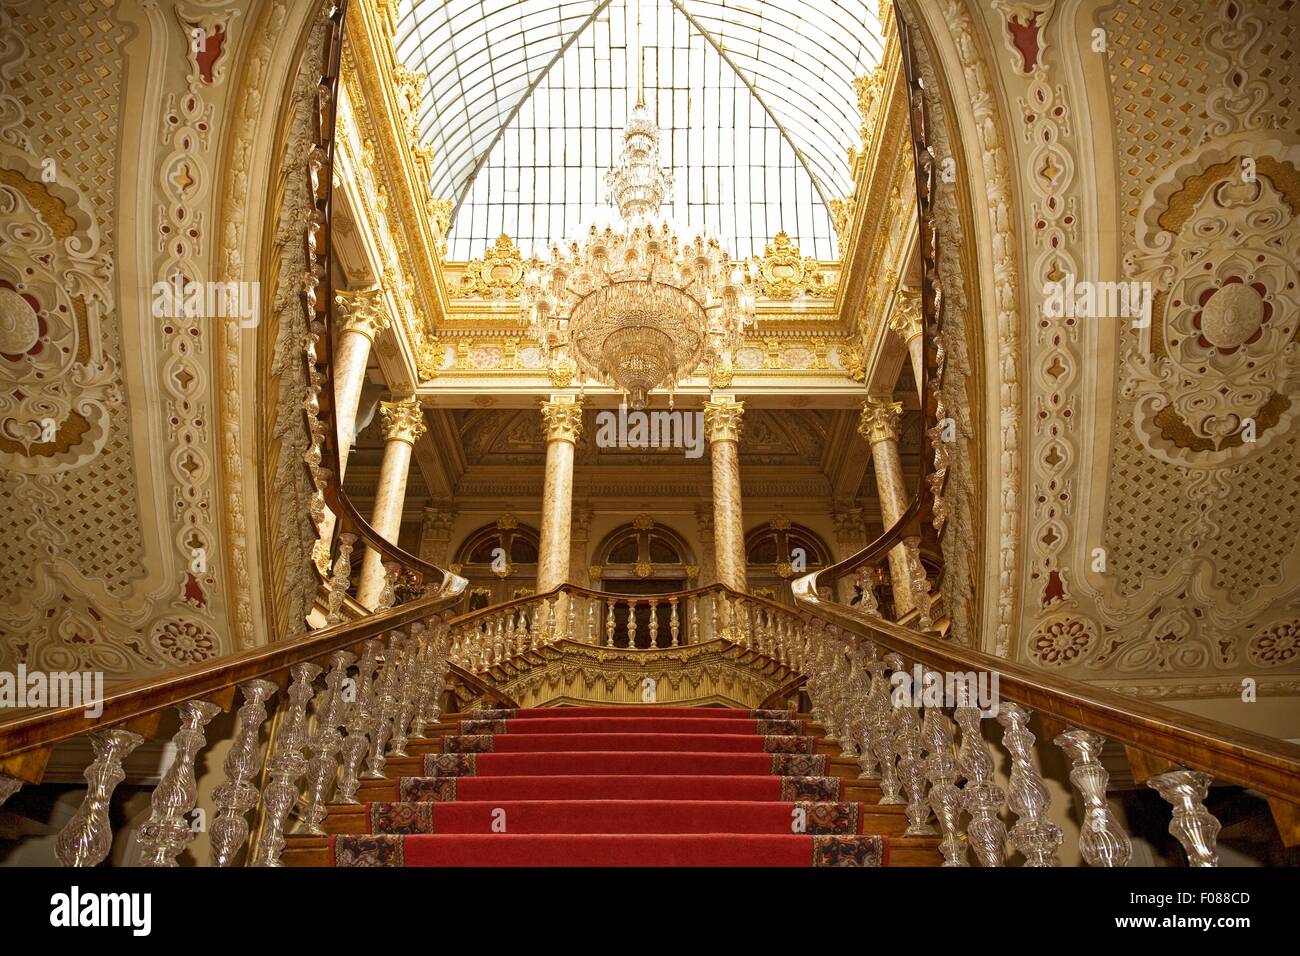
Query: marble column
[[363, 317], [562, 423], [879, 426], [905, 322], [403, 424], [722, 424]]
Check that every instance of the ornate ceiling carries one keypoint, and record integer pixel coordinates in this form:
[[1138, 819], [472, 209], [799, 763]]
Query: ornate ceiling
[[524, 102]]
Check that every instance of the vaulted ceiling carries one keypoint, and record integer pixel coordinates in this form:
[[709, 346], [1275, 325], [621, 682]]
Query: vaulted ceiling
[[525, 102]]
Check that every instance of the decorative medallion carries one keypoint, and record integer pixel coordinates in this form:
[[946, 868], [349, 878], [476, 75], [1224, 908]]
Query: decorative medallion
[[1275, 645], [1062, 641], [1218, 372], [785, 274], [498, 275]]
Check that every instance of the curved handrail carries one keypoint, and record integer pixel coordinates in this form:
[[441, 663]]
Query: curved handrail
[[318, 299], [23, 730]]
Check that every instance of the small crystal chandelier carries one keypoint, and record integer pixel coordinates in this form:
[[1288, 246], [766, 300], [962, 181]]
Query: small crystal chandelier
[[633, 305]]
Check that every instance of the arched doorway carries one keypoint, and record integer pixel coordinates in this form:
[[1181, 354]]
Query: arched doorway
[[645, 558]]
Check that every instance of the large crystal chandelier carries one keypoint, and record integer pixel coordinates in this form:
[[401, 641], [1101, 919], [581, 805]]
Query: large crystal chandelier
[[633, 305]]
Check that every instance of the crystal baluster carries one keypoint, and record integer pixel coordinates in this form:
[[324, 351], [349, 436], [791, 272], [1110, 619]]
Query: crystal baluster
[[340, 579], [406, 692], [882, 737], [981, 798], [1192, 825], [385, 708], [945, 798], [286, 765], [324, 745], [166, 833], [911, 770], [88, 836], [238, 794], [1027, 795], [359, 719], [1102, 841]]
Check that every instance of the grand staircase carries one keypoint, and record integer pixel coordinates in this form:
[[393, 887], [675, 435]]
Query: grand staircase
[[618, 786]]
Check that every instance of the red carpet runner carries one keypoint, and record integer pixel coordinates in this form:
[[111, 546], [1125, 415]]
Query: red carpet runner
[[619, 786]]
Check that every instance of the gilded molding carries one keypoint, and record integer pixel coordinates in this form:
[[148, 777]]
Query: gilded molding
[[722, 420], [879, 420], [562, 420], [402, 420], [783, 273]]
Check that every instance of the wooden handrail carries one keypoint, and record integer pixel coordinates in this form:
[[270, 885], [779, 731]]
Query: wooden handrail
[[29, 730], [1266, 764]]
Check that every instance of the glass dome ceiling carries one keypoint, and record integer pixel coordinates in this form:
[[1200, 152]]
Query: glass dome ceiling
[[526, 100]]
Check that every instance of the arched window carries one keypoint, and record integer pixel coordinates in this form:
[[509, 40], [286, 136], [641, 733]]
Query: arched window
[[499, 560], [641, 557], [778, 551]]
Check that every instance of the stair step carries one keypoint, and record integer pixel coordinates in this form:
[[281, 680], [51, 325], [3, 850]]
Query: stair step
[[614, 786], [624, 816]]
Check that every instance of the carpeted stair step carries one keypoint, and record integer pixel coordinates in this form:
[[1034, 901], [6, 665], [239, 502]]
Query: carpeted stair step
[[632, 725], [728, 713], [645, 743], [607, 849], [616, 816], [564, 762], [629, 786]]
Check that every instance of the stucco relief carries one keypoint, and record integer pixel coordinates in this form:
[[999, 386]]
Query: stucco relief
[[1199, 557]]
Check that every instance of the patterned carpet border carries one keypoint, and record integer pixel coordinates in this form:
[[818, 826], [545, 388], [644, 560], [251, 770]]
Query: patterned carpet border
[[814, 789], [799, 765], [471, 744], [427, 789], [789, 744], [404, 818], [848, 851], [369, 850], [451, 765]]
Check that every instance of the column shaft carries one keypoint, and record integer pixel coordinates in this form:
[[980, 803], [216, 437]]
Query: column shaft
[[363, 316], [403, 423], [563, 424], [879, 426], [722, 419]]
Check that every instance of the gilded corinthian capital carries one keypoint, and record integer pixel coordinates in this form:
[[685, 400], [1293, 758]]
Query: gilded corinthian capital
[[362, 312], [562, 420], [402, 421], [722, 419], [879, 420], [905, 319]]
